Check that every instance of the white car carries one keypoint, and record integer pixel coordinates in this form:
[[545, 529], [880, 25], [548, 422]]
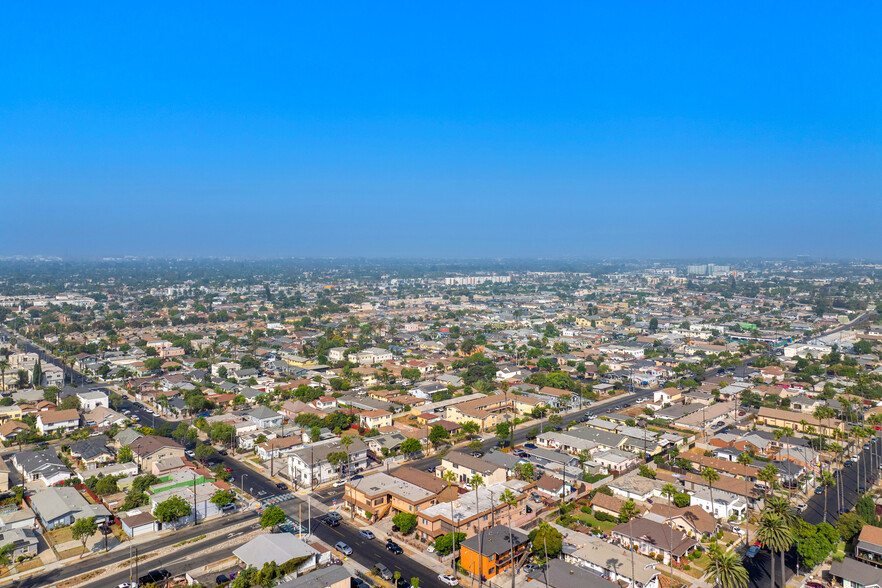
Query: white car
[[448, 579], [339, 483]]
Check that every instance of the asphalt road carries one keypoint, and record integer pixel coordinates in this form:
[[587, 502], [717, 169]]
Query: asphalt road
[[367, 552], [121, 555]]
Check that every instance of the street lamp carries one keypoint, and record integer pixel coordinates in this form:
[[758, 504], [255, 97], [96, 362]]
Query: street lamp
[[242, 482]]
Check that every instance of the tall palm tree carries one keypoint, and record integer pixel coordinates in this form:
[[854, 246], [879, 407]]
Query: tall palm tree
[[725, 569], [478, 481], [768, 475], [347, 440], [626, 515], [711, 475], [827, 480], [775, 534], [745, 460], [669, 490], [450, 478], [780, 506], [508, 498], [4, 365]]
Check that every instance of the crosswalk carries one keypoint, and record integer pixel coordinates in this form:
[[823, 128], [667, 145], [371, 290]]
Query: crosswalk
[[264, 502]]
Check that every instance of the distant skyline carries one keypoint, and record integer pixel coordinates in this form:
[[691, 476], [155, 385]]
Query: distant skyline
[[475, 130]]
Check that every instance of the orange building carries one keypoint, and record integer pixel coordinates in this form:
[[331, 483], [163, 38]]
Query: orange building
[[490, 552]]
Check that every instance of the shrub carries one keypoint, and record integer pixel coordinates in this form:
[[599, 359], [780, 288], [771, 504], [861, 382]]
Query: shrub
[[602, 516]]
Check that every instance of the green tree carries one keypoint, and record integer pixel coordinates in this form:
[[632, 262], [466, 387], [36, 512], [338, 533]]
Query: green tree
[[106, 485], [849, 525], [223, 497], [445, 543], [411, 446], [725, 569], [438, 435], [82, 529], [203, 451], [405, 521], [273, 516], [172, 509], [503, 429], [125, 455], [774, 534], [546, 540], [711, 475]]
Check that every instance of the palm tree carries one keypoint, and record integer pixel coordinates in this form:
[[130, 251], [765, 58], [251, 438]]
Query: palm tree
[[780, 506], [775, 534], [508, 498], [4, 365], [827, 480], [347, 440], [450, 478], [669, 490], [745, 460], [627, 514], [768, 475], [710, 475], [478, 481], [725, 569]]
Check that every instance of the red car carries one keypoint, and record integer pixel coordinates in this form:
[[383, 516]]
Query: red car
[[226, 469], [814, 585]]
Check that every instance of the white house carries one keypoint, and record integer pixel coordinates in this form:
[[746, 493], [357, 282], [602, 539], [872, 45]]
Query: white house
[[309, 466], [58, 420], [92, 399], [373, 355], [725, 504]]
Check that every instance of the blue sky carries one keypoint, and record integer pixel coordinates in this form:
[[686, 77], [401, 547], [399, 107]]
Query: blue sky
[[447, 129]]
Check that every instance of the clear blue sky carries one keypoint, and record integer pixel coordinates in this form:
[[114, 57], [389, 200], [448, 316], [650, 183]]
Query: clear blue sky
[[444, 129]]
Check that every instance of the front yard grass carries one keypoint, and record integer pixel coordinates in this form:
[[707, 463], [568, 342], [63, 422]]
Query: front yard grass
[[59, 536], [590, 520]]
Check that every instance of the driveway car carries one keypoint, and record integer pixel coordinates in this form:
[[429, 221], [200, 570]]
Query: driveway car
[[358, 583], [343, 548], [189, 453], [531, 567], [382, 571], [448, 579]]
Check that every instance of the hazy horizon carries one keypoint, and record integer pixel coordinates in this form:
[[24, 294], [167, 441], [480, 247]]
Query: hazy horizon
[[455, 131]]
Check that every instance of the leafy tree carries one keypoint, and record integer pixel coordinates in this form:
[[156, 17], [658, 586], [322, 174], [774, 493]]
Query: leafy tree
[[273, 516], [546, 540], [866, 509], [647, 472], [106, 485], [405, 521], [82, 529], [438, 435], [503, 429], [172, 509], [223, 497], [653, 324], [153, 363], [141, 483], [444, 543], [410, 446], [849, 525], [203, 451], [69, 402]]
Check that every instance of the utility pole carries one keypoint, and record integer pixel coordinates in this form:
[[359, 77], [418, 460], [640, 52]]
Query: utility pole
[[195, 511]]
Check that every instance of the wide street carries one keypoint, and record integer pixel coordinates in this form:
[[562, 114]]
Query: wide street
[[121, 554]]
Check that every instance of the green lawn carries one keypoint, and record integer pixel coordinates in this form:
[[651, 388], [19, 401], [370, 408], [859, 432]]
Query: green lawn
[[590, 520]]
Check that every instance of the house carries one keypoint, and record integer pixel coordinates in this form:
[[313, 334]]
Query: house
[[58, 420], [616, 460], [10, 430], [607, 504], [852, 573], [692, 520], [492, 551], [136, 523], [473, 511], [151, 448], [653, 538], [614, 563], [11, 412], [278, 447], [126, 437], [91, 399], [329, 577], [465, 467], [724, 505], [310, 466], [373, 355], [375, 496], [24, 542], [195, 491], [560, 574], [774, 417], [552, 487], [374, 419], [103, 418], [41, 465], [635, 487], [277, 547], [265, 417], [92, 452], [868, 548], [58, 507]]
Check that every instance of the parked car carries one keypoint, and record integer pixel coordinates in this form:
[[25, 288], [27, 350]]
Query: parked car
[[281, 486], [366, 534], [531, 567], [189, 453], [448, 579], [330, 522], [530, 445], [358, 583], [402, 582], [340, 482], [814, 585], [382, 571], [335, 516], [228, 508], [394, 547], [343, 548], [819, 490], [751, 553]]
